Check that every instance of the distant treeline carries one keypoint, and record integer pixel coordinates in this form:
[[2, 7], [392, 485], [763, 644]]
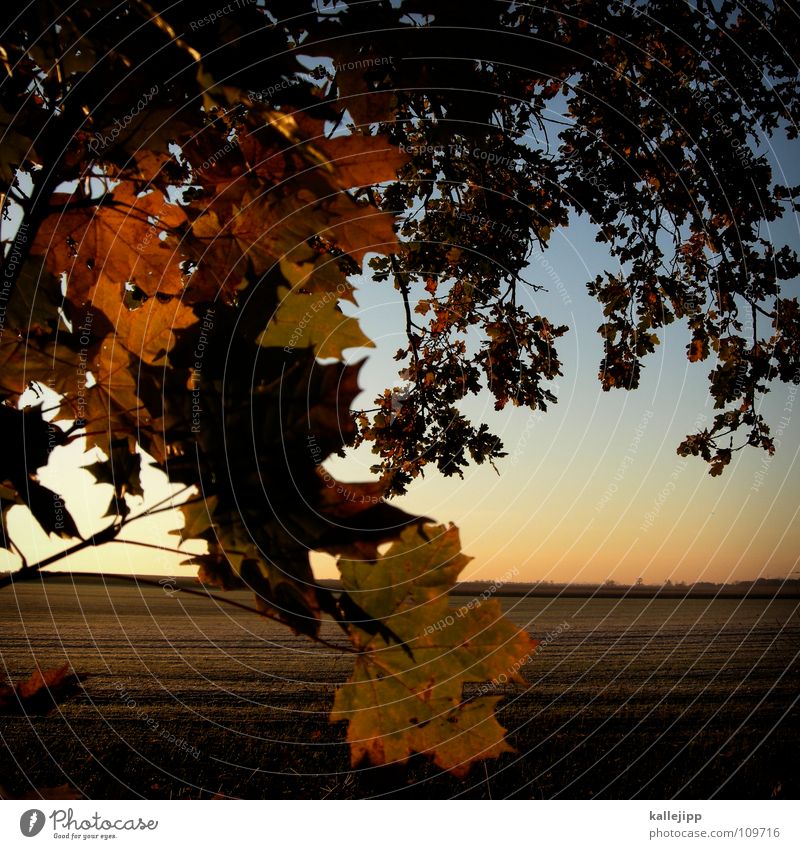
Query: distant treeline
[[761, 588]]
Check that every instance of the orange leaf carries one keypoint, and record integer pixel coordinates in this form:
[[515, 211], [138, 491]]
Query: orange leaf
[[40, 693], [362, 160], [359, 230], [698, 350], [117, 242]]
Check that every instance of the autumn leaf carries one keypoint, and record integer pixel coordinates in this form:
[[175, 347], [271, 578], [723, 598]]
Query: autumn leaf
[[718, 462], [308, 273], [111, 251], [122, 472], [359, 229], [144, 326], [362, 160], [397, 704], [270, 225], [356, 91], [19, 482], [697, 349], [17, 147], [37, 300], [197, 515], [118, 242], [283, 583], [261, 228], [313, 321], [40, 693], [44, 360], [359, 517], [222, 266], [114, 406]]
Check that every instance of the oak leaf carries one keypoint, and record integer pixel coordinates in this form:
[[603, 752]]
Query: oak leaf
[[362, 160]]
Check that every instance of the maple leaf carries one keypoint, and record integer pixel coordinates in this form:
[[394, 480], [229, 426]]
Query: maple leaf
[[359, 229], [19, 483], [221, 264], [197, 519], [256, 232], [312, 320], [355, 86], [122, 472], [272, 224], [40, 693], [17, 147], [114, 406], [145, 327], [37, 299], [117, 242], [44, 360], [115, 250], [72, 52], [307, 272], [282, 582], [361, 160], [398, 701]]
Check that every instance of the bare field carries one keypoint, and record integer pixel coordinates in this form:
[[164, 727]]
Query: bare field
[[187, 698]]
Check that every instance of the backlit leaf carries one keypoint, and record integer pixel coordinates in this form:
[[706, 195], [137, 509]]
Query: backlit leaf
[[313, 321], [398, 704]]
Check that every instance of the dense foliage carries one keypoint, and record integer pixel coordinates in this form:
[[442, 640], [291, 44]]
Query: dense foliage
[[186, 193]]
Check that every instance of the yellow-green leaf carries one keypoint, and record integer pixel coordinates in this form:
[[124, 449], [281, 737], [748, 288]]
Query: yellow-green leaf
[[408, 696], [312, 320]]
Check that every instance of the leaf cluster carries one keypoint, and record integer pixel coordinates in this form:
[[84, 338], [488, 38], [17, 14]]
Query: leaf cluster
[[189, 202]]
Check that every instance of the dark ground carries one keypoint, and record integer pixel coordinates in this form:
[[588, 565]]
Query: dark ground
[[635, 698]]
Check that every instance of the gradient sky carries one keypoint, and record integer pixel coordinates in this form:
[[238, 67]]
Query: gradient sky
[[592, 490]]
